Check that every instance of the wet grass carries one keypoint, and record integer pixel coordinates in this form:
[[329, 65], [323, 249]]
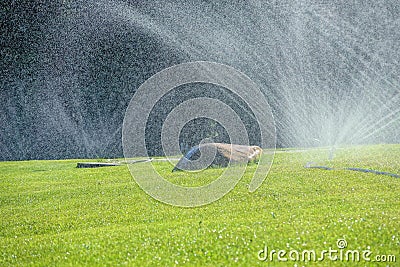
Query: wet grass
[[55, 214]]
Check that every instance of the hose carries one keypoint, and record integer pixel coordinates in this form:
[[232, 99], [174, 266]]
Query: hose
[[310, 166]]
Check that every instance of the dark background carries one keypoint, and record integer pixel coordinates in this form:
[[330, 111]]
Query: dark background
[[68, 69]]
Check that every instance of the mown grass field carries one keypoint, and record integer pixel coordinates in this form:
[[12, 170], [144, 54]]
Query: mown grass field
[[54, 214]]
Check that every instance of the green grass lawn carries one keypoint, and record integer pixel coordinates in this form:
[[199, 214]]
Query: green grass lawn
[[53, 213]]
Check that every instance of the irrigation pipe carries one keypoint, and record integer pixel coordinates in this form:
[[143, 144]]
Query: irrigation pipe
[[310, 166]]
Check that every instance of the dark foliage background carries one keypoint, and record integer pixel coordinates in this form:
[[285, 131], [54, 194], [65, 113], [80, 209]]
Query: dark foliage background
[[68, 69]]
